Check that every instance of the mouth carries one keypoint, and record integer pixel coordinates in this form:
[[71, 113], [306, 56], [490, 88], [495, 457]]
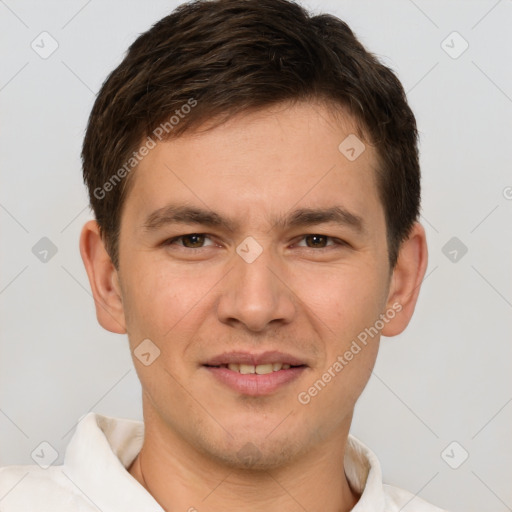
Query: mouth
[[260, 369], [255, 374]]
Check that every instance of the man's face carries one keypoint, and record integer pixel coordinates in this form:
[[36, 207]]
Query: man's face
[[259, 288]]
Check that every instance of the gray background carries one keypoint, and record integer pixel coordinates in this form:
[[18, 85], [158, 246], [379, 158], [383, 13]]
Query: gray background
[[447, 378]]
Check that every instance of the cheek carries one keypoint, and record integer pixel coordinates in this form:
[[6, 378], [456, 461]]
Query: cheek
[[159, 300], [346, 299]]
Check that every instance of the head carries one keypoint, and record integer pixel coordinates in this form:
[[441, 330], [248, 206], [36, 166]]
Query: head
[[289, 153]]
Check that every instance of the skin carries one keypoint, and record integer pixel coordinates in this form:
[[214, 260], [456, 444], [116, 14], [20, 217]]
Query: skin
[[195, 302]]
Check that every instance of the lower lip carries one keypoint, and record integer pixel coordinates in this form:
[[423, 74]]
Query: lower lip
[[253, 384]]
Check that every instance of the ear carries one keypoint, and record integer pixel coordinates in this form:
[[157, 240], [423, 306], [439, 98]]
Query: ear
[[406, 280], [103, 279]]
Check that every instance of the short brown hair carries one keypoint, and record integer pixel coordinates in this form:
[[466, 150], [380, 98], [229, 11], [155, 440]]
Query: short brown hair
[[222, 57]]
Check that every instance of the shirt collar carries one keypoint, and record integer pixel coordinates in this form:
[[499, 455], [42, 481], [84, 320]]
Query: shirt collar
[[364, 475], [103, 448], [97, 459]]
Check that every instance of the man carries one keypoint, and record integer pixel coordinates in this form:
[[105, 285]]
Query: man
[[254, 176]]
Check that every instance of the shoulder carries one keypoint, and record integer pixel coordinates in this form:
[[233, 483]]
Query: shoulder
[[24, 488], [365, 476], [401, 500]]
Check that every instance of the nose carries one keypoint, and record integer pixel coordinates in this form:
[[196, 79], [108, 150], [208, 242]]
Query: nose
[[256, 294]]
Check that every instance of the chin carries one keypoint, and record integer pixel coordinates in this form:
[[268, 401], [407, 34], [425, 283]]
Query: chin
[[254, 455]]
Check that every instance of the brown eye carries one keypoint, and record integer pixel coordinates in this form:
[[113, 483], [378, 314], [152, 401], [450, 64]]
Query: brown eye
[[193, 241], [316, 241], [190, 244]]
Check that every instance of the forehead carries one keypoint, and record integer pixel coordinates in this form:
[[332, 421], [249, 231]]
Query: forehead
[[261, 162]]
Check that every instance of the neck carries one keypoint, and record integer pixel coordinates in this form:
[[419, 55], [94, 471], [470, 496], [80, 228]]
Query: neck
[[180, 478]]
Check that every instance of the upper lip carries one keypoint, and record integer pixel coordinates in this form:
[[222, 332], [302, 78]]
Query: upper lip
[[242, 357]]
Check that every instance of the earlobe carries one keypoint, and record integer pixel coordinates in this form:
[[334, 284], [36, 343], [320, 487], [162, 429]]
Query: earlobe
[[103, 279], [406, 280]]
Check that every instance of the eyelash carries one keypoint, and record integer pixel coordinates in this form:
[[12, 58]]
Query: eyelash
[[336, 241]]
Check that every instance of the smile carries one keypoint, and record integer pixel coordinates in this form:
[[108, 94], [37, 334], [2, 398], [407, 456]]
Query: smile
[[255, 374], [260, 369]]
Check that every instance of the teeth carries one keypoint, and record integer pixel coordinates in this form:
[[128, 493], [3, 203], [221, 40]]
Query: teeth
[[247, 368], [263, 369], [260, 369]]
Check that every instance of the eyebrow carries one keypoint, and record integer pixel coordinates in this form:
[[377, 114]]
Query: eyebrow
[[182, 214]]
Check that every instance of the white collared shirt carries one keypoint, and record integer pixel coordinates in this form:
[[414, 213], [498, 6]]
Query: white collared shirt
[[95, 476]]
